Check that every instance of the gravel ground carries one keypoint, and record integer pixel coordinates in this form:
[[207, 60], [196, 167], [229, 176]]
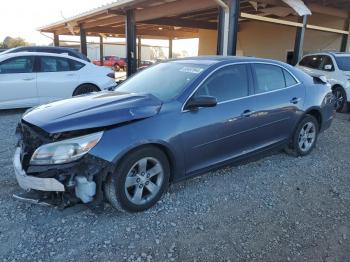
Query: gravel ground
[[277, 208]]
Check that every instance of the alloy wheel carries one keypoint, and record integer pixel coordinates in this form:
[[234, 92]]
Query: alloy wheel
[[307, 136], [339, 99], [144, 180]]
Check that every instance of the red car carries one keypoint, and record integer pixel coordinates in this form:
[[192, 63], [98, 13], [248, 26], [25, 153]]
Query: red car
[[115, 62]]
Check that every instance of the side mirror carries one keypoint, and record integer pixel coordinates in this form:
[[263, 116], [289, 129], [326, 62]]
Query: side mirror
[[201, 101], [328, 67]]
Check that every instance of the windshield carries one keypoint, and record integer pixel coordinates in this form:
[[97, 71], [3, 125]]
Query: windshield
[[164, 80], [343, 62]]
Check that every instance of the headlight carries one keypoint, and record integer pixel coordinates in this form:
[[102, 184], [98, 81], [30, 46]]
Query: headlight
[[65, 151]]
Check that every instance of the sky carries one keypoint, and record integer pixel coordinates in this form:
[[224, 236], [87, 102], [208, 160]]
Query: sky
[[21, 18]]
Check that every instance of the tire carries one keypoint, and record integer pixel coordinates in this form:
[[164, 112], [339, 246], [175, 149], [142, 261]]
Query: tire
[[341, 100], [303, 143], [134, 168], [116, 68], [85, 89]]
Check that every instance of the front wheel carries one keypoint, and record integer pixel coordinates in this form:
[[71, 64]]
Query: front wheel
[[341, 103], [305, 137], [139, 181]]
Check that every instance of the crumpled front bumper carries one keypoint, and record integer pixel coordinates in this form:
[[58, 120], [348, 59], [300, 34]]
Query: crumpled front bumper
[[30, 182]]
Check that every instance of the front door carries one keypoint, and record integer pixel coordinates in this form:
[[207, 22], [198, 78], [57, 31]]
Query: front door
[[18, 83], [222, 132]]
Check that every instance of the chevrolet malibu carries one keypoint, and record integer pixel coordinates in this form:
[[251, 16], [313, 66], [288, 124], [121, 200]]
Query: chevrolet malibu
[[172, 121]]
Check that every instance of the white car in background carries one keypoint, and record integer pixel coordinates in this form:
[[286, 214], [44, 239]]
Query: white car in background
[[335, 66], [29, 78]]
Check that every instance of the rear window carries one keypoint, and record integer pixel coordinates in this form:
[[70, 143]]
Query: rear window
[[75, 65], [289, 79]]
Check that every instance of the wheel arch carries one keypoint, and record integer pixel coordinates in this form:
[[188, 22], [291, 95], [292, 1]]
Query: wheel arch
[[162, 146], [337, 85], [86, 83], [315, 112]]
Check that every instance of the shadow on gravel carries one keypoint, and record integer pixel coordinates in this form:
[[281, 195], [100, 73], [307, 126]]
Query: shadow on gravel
[[9, 112], [176, 187]]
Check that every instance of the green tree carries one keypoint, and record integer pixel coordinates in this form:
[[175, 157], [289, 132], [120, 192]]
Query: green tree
[[10, 42]]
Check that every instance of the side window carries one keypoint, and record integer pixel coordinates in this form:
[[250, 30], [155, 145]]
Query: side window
[[315, 62], [75, 65], [327, 63], [23, 64], [54, 64], [269, 78], [229, 82], [305, 61], [289, 79]]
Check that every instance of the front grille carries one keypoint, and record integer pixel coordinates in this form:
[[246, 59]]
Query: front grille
[[31, 137]]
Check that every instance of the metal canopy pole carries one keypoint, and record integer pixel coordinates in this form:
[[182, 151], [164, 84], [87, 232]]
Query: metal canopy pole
[[299, 40], [234, 9], [56, 40], [139, 47], [345, 37], [221, 25], [83, 44], [101, 50], [130, 30], [170, 48]]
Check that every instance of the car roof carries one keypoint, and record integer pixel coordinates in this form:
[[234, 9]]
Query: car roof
[[332, 53], [46, 47], [211, 60], [9, 55]]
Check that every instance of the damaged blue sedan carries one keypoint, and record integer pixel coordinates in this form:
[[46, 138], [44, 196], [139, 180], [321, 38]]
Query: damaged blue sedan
[[169, 122]]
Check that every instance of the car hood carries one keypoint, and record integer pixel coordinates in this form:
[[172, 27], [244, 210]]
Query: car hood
[[92, 111]]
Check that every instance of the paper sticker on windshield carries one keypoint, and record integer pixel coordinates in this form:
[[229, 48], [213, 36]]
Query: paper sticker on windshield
[[192, 70]]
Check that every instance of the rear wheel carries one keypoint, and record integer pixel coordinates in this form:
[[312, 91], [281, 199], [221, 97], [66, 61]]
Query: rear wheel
[[341, 104], [139, 181], [305, 137], [85, 89]]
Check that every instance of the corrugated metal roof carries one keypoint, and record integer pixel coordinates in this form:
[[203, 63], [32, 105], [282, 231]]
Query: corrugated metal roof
[[95, 11]]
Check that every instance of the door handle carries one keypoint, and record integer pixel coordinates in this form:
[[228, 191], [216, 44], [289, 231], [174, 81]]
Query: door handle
[[70, 74], [295, 100], [28, 78], [247, 113]]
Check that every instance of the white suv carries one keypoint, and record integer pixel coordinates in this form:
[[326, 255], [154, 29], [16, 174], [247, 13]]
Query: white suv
[[336, 67]]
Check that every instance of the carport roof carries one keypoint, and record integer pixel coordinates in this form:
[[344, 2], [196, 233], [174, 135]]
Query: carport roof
[[170, 18]]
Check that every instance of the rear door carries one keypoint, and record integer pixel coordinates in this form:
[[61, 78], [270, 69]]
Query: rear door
[[219, 133], [18, 82], [279, 99], [56, 78]]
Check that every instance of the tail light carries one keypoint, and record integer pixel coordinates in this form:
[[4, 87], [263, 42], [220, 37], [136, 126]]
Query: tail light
[[111, 75]]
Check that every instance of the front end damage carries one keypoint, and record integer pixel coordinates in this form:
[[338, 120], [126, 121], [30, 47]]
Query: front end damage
[[60, 185]]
